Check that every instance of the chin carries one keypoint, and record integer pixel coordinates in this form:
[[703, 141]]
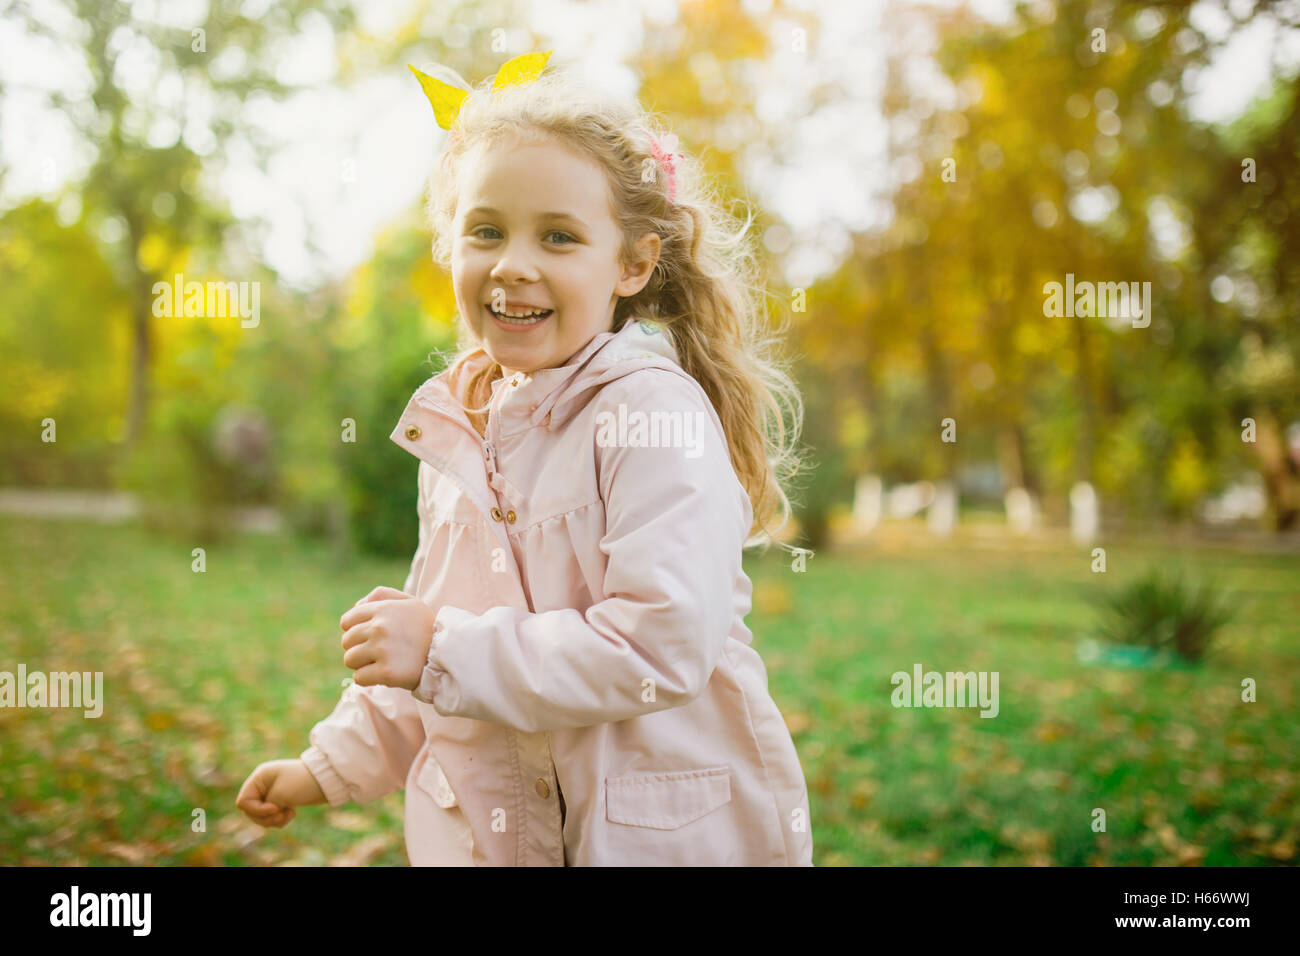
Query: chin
[[527, 364]]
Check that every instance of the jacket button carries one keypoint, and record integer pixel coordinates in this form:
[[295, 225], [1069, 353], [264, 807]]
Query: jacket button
[[413, 432], [514, 382], [510, 516], [542, 789], [496, 514]]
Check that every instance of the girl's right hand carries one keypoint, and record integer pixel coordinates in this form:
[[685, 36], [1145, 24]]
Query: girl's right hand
[[274, 788]]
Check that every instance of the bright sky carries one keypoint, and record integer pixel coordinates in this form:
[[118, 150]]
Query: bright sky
[[351, 161]]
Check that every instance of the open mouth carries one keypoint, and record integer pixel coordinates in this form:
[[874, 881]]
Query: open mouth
[[517, 322]]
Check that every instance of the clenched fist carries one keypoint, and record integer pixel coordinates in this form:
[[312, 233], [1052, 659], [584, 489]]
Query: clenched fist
[[386, 638], [274, 788]]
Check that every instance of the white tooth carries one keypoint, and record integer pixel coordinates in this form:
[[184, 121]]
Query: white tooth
[[523, 315]]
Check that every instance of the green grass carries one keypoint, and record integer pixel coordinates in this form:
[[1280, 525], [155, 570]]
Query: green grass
[[208, 674]]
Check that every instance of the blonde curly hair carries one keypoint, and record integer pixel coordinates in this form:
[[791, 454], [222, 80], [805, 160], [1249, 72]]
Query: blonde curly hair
[[704, 291]]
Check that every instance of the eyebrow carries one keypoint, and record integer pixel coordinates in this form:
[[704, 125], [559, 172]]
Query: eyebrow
[[488, 210]]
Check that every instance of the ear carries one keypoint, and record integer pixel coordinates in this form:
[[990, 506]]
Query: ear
[[636, 275]]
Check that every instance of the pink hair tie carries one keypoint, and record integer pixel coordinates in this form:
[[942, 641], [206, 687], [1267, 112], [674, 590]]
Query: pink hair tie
[[665, 153]]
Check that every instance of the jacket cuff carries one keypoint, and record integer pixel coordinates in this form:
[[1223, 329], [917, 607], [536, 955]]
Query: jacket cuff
[[331, 784], [435, 687]]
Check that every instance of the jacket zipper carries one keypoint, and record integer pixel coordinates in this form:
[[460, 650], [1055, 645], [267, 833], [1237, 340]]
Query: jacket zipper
[[488, 446], [489, 450]]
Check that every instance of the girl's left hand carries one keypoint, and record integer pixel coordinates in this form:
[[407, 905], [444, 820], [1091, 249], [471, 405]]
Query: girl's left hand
[[386, 636]]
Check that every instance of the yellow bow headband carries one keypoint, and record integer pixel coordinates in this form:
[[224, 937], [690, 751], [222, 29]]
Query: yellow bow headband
[[447, 99]]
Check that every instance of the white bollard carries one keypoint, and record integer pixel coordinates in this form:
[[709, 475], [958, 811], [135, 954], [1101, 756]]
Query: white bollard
[[1084, 513], [906, 501], [942, 516], [1021, 510], [868, 500]]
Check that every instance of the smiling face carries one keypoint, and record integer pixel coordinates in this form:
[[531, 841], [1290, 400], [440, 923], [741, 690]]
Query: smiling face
[[533, 231]]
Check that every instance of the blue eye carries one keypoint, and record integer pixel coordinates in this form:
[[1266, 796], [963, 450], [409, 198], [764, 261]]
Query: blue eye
[[555, 232]]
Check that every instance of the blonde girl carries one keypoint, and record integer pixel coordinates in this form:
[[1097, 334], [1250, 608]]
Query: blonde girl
[[566, 677]]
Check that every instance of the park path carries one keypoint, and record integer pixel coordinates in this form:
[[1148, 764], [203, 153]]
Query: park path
[[111, 507], [115, 507]]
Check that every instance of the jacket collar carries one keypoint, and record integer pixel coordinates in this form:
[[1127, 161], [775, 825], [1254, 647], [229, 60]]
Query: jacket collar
[[551, 396], [640, 343]]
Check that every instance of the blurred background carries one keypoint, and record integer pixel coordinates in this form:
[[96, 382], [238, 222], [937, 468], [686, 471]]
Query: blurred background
[[1104, 511]]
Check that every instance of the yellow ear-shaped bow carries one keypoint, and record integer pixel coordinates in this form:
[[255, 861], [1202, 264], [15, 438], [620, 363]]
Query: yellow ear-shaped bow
[[447, 99]]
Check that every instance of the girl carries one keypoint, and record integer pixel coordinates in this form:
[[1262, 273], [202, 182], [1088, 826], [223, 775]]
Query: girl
[[566, 676]]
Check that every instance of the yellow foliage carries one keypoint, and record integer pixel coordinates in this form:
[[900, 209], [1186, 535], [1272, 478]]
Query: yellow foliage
[[855, 428], [177, 336], [434, 291], [153, 253], [993, 100], [1188, 476], [1119, 460], [34, 391], [1029, 338], [350, 331]]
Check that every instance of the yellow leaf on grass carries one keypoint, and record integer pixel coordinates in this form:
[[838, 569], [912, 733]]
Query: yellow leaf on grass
[[160, 720], [797, 723], [364, 852], [772, 598], [1282, 850]]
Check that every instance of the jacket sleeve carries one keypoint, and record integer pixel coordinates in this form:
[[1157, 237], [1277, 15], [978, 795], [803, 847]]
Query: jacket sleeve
[[364, 749], [676, 520]]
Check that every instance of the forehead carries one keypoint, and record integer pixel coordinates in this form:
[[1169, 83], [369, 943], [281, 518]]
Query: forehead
[[526, 177]]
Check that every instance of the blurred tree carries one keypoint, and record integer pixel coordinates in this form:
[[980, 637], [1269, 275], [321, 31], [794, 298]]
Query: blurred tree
[[400, 307], [826, 481], [61, 329], [1248, 226], [145, 178], [1048, 156]]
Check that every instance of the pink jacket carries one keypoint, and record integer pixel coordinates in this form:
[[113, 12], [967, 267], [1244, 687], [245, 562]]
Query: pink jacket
[[591, 696]]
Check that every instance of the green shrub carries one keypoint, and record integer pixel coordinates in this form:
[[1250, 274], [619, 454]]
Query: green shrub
[[177, 482], [380, 476], [186, 476], [1165, 613]]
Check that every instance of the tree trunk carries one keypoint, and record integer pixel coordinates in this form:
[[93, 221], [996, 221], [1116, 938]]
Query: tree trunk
[[1011, 459], [815, 526], [1087, 442], [940, 394], [137, 414], [1279, 470], [138, 407]]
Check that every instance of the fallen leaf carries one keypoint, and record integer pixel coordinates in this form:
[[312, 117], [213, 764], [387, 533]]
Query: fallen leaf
[[772, 598], [1191, 855], [351, 820], [135, 855], [364, 851], [160, 720], [797, 723], [1282, 850], [206, 855]]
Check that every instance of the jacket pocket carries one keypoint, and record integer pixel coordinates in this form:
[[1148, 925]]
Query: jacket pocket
[[434, 782], [666, 801]]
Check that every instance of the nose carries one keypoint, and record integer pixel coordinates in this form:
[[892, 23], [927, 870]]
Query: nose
[[515, 263]]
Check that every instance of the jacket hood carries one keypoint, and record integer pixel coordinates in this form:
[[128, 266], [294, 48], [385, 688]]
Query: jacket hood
[[564, 390]]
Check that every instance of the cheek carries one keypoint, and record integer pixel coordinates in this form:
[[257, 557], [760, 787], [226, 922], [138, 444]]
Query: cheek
[[462, 273]]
